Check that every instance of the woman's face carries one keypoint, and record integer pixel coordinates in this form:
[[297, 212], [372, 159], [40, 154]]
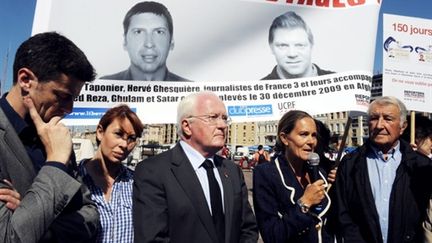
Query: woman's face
[[301, 141], [117, 141]]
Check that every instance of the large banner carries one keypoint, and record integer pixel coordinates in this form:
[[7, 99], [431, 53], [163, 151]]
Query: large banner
[[407, 60], [221, 46]]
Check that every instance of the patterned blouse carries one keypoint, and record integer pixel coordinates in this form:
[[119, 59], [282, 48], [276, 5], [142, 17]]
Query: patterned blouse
[[115, 215]]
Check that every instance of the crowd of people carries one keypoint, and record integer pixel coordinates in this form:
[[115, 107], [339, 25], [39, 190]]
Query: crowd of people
[[193, 193]]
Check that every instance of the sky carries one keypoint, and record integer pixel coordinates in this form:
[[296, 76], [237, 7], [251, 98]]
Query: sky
[[16, 17]]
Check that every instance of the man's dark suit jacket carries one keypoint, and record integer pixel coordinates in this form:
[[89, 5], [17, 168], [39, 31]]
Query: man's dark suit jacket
[[55, 206], [169, 204]]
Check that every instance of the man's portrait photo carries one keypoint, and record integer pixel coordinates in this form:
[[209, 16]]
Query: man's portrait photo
[[148, 39], [291, 42]]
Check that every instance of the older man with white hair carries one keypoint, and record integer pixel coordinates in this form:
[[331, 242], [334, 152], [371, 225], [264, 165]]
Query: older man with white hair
[[383, 188]]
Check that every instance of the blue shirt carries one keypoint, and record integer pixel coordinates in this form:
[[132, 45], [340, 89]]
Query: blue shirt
[[116, 214], [382, 173]]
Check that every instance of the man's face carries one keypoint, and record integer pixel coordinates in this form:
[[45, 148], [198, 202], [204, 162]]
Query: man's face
[[292, 51], [208, 136], [385, 126], [55, 98], [148, 42]]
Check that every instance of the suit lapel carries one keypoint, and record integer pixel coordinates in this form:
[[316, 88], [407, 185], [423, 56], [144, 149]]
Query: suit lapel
[[226, 176], [364, 188], [186, 177], [17, 162]]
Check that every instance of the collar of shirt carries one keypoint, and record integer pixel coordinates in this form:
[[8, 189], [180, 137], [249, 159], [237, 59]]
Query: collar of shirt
[[194, 156], [17, 122], [124, 174], [393, 153], [196, 160], [26, 132]]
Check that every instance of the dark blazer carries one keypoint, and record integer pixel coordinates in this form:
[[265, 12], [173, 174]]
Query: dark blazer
[[45, 213], [279, 217], [354, 207], [169, 204]]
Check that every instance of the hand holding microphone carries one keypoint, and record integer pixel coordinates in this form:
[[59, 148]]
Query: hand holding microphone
[[314, 192]]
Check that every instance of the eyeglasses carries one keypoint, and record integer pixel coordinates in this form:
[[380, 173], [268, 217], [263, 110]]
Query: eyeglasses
[[214, 118]]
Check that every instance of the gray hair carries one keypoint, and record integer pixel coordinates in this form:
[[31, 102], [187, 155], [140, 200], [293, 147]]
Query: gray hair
[[390, 100], [187, 107]]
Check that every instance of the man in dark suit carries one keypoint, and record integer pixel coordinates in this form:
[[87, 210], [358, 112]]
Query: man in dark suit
[[174, 197], [41, 198]]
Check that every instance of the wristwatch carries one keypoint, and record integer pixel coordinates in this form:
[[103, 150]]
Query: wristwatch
[[303, 206]]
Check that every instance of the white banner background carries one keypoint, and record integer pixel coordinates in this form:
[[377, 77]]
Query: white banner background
[[222, 43], [407, 60]]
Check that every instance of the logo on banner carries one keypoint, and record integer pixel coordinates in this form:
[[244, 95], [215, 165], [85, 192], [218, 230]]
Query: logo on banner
[[250, 110], [362, 99], [88, 113], [414, 96], [286, 106]]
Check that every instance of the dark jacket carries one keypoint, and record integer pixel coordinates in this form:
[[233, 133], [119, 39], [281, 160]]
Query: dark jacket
[[55, 206], [356, 216], [279, 217], [169, 204]]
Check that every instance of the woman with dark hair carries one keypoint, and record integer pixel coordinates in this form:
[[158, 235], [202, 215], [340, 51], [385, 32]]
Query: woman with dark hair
[[289, 205], [109, 181]]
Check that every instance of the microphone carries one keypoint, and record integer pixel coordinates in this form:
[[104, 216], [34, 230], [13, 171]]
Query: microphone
[[313, 161]]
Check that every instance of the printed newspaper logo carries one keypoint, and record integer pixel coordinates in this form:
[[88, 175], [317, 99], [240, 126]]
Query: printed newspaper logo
[[362, 99], [250, 110], [286, 106], [414, 96]]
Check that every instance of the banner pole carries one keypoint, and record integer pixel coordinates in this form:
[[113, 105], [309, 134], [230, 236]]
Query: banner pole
[[412, 128]]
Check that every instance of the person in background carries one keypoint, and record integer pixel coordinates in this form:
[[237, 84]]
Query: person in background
[[381, 191], [261, 156], [423, 135], [291, 42], [323, 150], [423, 144], [291, 205], [148, 39], [225, 152], [43, 198], [109, 181], [188, 193]]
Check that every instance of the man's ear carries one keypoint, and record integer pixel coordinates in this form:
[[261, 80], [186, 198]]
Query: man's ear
[[26, 78], [403, 127], [172, 44], [124, 43], [186, 128]]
